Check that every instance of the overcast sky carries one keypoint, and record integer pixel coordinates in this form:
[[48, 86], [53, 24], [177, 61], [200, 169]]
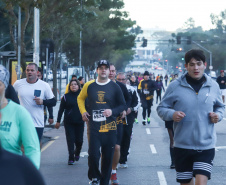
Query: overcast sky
[[172, 14]]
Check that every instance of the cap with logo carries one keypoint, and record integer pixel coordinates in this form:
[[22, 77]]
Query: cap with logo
[[222, 71], [103, 62]]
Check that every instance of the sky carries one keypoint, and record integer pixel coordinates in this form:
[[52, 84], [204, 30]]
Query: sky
[[172, 14]]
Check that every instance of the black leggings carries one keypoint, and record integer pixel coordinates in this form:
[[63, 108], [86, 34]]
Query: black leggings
[[74, 137], [158, 92], [146, 104]]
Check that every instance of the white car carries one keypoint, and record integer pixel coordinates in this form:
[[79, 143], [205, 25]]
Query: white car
[[50, 76]]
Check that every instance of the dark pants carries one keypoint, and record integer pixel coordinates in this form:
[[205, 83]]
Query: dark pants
[[126, 138], [74, 136], [146, 104], [166, 82], [158, 92], [106, 142]]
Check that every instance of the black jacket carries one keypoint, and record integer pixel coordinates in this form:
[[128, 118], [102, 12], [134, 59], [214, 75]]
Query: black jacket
[[70, 108]]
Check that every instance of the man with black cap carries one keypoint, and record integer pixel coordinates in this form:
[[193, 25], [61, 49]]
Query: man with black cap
[[221, 80], [105, 103], [147, 88]]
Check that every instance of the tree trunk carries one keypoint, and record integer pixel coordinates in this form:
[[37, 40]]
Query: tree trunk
[[54, 69]]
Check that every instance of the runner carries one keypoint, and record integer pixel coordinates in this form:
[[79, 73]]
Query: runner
[[33, 95], [106, 102], [194, 103], [147, 88]]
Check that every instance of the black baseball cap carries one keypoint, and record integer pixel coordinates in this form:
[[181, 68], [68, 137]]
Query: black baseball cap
[[103, 62]]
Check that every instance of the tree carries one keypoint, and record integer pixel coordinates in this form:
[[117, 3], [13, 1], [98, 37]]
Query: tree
[[9, 8]]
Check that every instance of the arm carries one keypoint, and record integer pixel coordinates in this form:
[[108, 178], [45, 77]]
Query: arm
[[10, 93], [29, 137], [61, 109], [81, 101], [136, 99], [50, 102], [219, 107], [50, 110], [165, 108]]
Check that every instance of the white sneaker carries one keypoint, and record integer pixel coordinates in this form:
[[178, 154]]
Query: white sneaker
[[123, 166]]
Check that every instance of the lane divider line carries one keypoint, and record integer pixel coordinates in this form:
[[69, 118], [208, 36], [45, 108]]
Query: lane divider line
[[148, 131], [153, 150], [162, 179], [49, 143]]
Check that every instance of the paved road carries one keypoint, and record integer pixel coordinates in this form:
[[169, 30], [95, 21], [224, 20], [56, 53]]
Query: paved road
[[148, 161]]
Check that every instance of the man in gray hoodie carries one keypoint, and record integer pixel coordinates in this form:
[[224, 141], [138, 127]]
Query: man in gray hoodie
[[194, 103]]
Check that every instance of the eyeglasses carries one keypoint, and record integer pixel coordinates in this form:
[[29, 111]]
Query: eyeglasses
[[121, 79]]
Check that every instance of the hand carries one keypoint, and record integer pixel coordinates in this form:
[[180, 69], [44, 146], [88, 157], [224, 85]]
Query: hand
[[213, 117], [178, 116], [107, 112], [222, 81], [57, 125], [128, 111], [38, 100], [50, 121], [85, 116], [123, 114]]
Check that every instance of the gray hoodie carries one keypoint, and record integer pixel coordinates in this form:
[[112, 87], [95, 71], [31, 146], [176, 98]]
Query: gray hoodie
[[195, 130]]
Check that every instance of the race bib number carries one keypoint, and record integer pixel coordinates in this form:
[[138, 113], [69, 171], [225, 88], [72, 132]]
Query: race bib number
[[146, 91], [98, 115]]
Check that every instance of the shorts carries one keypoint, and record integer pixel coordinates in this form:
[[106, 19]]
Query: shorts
[[169, 124], [190, 163], [223, 92], [39, 131], [119, 133]]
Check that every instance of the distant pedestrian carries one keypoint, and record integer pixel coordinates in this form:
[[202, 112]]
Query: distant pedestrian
[[73, 123], [81, 80], [147, 88], [166, 79], [221, 80], [159, 88], [194, 103]]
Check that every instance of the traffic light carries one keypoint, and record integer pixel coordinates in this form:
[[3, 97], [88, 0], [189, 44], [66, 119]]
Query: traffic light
[[188, 39], [178, 39], [145, 41]]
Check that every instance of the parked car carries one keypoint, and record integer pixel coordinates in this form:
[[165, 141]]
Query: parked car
[[63, 74], [50, 76]]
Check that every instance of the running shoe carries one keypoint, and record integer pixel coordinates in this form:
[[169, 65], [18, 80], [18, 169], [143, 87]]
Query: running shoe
[[70, 162], [136, 121], [94, 182], [77, 158], [114, 180], [123, 165], [144, 122], [149, 120]]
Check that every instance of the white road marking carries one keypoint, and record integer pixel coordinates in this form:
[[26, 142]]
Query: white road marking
[[220, 147], [148, 131], [83, 154], [162, 179], [153, 150], [49, 143]]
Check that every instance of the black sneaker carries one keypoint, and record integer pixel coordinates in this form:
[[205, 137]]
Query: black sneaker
[[172, 166], [70, 162], [144, 122], [77, 158], [94, 182]]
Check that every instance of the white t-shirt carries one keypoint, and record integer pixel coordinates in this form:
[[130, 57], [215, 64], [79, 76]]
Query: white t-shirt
[[26, 96]]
